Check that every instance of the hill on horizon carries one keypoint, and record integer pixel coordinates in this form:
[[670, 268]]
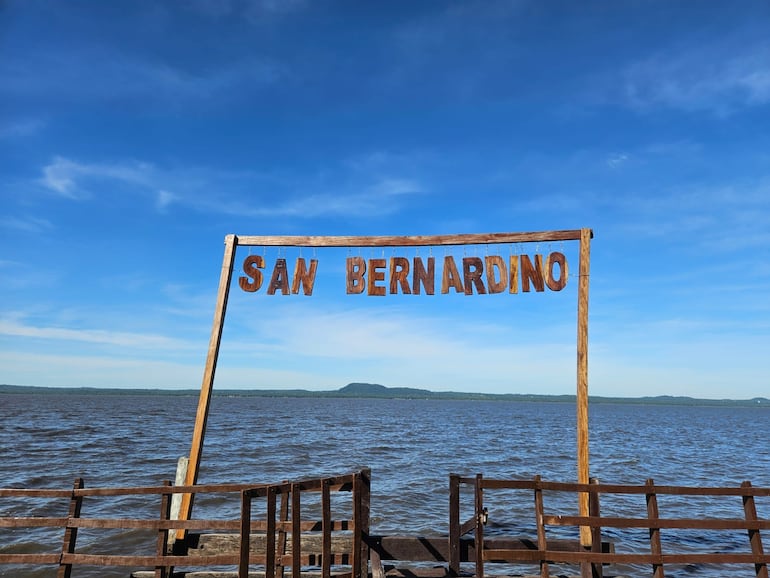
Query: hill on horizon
[[379, 391]]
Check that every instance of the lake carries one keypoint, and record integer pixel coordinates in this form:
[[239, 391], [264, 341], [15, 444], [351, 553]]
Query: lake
[[411, 446]]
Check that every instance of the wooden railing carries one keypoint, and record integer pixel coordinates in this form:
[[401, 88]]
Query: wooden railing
[[661, 553], [279, 553], [66, 554]]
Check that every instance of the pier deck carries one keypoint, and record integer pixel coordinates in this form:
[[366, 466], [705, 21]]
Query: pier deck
[[321, 527]]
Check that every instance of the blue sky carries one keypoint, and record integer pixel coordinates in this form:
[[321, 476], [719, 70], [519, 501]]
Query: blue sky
[[135, 135]]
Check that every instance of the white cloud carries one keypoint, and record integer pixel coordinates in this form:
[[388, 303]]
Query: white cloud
[[403, 347], [14, 328], [165, 198], [718, 77], [71, 179], [232, 193], [614, 161], [380, 198], [34, 225], [20, 368], [21, 128], [252, 9], [113, 75], [60, 176]]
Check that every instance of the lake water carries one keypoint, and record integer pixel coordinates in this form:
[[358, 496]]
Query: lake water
[[411, 446]]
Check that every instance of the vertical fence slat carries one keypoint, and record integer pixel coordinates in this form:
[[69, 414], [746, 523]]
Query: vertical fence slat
[[296, 531], [70, 533], [653, 515], [479, 509], [755, 539], [362, 489], [454, 525], [162, 544], [542, 543], [245, 543], [594, 510], [326, 530], [270, 537], [283, 516]]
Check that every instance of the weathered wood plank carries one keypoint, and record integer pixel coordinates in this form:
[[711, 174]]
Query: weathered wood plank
[[584, 269], [215, 544], [407, 241], [404, 548], [204, 400]]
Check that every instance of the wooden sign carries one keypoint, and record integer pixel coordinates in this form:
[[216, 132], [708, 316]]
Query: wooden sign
[[490, 275], [279, 280], [476, 275], [380, 277]]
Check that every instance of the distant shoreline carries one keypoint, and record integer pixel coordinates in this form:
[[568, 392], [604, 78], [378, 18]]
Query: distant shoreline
[[376, 391]]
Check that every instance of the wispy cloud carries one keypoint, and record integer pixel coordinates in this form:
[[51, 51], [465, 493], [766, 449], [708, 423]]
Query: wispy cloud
[[14, 328], [232, 193], [71, 179], [26, 224], [720, 217], [719, 77], [615, 160], [114, 76], [21, 128], [402, 344], [251, 9], [382, 197], [84, 370]]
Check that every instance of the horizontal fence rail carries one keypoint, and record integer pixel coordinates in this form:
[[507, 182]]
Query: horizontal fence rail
[[257, 533], [660, 553]]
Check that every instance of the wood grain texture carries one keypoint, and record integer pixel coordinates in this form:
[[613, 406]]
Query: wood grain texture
[[204, 400], [407, 241], [582, 378]]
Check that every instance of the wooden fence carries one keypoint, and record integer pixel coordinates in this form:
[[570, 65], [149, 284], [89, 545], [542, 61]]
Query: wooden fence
[[323, 552], [665, 548]]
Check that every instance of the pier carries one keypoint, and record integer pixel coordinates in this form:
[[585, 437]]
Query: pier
[[320, 528]]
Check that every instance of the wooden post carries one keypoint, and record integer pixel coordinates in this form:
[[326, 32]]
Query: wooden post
[[231, 242], [362, 551], [655, 545], [755, 539], [245, 535], [542, 543], [480, 521], [582, 380], [162, 571], [594, 510], [283, 517], [296, 530], [176, 499], [454, 525], [326, 530], [270, 537], [71, 532]]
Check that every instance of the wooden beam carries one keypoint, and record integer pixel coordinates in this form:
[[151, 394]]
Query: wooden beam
[[409, 241], [582, 379], [204, 400]]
